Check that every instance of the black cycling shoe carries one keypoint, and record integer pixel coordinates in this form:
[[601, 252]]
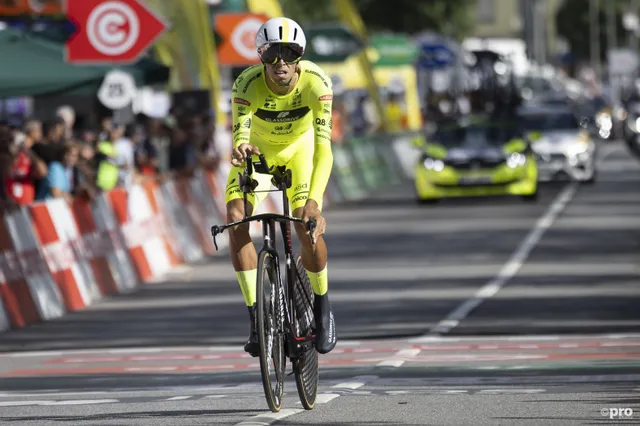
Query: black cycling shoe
[[326, 337], [253, 345]]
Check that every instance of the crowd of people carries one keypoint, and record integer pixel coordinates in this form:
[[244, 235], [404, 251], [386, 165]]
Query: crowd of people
[[43, 160], [54, 158]]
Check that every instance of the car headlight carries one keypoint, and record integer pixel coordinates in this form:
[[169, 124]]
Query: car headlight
[[433, 164], [516, 160], [604, 121]]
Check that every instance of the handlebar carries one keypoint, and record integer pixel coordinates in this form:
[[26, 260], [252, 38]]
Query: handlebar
[[263, 166], [219, 229]]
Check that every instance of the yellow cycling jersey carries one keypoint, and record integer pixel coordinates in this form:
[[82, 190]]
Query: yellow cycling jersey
[[271, 121]]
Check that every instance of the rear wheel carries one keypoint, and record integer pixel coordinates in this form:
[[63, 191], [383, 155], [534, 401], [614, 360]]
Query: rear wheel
[[305, 366], [270, 331]]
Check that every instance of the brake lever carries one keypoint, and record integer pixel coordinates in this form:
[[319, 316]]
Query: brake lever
[[311, 226], [263, 162], [215, 230]]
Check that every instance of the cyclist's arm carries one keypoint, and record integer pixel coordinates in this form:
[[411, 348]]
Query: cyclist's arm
[[241, 111], [321, 103]]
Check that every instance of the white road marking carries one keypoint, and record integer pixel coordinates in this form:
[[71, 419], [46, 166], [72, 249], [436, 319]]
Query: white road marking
[[269, 418], [134, 350], [399, 358], [511, 268], [67, 402], [82, 402], [349, 385], [325, 398], [513, 265], [355, 383], [21, 403], [178, 398]]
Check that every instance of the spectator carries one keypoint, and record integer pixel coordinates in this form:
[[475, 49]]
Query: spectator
[[105, 130], [60, 178], [147, 160], [125, 157], [26, 167], [47, 147], [182, 153], [68, 116], [6, 159], [105, 160], [89, 137], [209, 153]]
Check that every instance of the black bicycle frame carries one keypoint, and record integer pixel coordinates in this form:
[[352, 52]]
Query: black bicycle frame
[[281, 180]]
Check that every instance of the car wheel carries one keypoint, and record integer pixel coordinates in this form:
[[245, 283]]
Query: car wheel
[[427, 201], [531, 198], [592, 178]]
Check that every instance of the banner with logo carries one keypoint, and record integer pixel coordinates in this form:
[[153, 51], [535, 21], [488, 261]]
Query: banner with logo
[[31, 7], [238, 33]]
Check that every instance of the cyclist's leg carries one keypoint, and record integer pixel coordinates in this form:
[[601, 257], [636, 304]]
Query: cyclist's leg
[[241, 247], [314, 257]]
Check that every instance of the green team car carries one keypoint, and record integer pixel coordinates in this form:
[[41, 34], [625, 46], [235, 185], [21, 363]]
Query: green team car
[[476, 157]]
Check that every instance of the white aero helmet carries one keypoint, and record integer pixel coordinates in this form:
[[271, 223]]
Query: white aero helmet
[[280, 30]]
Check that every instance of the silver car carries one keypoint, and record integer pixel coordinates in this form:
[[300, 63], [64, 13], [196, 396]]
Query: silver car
[[563, 149]]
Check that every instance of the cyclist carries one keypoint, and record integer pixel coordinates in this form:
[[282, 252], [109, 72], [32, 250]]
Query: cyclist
[[282, 109]]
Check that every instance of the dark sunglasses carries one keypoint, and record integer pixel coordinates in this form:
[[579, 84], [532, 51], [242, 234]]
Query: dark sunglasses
[[291, 53]]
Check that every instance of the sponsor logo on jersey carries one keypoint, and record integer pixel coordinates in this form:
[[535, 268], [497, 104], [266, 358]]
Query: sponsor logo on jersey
[[283, 130], [241, 101], [317, 74], [251, 80], [282, 116], [299, 198], [297, 99], [286, 127], [325, 98]]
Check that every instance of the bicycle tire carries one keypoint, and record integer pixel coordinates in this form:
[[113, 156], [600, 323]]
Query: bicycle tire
[[305, 366], [270, 330]]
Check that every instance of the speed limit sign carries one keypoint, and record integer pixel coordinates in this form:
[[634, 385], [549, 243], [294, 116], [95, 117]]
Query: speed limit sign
[[118, 90]]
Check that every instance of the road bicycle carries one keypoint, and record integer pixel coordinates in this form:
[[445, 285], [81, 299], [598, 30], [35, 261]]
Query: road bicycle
[[284, 311]]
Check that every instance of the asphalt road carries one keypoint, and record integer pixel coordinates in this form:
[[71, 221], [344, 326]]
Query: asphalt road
[[476, 312]]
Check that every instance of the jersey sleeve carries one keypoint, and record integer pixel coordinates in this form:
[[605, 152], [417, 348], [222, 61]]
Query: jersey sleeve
[[242, 103], [321, 104]]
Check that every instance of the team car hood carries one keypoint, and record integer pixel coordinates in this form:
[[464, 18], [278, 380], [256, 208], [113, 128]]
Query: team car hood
[[556, 142], [476, 149]]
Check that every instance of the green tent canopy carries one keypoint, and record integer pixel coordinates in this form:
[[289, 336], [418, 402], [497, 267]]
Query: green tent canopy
[[33, 66]]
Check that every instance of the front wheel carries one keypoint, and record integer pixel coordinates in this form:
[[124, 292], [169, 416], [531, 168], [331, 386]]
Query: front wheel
[[305, 366], [270, 330]]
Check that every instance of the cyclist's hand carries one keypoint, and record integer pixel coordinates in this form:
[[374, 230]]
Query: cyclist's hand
[[312, 212], [239, 154]]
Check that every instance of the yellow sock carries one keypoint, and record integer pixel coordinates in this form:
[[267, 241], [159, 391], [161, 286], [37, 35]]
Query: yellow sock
[[319, 281], [247, 281]]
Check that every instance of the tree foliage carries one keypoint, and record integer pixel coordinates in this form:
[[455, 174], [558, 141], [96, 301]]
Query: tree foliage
[[573, 24], [451, 17]]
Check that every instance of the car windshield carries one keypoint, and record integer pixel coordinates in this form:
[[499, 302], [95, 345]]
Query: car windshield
[[475, 135], [549, 121]]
